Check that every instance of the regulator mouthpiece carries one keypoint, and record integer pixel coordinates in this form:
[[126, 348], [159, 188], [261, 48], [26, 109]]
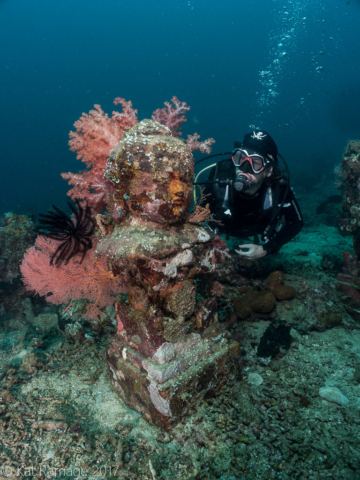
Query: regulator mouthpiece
[[241, 183]]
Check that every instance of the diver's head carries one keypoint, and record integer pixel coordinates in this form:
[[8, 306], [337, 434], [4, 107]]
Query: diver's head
[[257, 151], [255, 158], [261, 143]]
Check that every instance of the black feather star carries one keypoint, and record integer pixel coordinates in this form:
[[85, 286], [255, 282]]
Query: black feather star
[[74, 232]]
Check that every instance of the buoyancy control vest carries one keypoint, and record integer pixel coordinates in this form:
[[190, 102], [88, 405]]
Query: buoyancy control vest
[[241, 215]]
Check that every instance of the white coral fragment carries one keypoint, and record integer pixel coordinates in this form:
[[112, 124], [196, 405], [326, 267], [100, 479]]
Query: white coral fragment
[[333, 394]]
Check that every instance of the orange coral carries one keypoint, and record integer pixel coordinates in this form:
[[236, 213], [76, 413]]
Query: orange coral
[[200, 214], [278, 288]]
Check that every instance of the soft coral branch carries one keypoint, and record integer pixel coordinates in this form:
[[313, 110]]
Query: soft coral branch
[[172, 115], [95, 136], [193, 143]]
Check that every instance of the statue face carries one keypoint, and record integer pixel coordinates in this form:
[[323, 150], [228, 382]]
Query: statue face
[[167, 199], [176, 197], [178, 193], [154, 176]]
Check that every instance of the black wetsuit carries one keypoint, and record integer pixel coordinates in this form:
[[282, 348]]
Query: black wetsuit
[[247, 216]]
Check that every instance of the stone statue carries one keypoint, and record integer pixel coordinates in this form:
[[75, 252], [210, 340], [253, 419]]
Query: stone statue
[[169, 351]]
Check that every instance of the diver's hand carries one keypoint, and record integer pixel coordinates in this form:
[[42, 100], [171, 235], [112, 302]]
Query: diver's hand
[[253, 252]]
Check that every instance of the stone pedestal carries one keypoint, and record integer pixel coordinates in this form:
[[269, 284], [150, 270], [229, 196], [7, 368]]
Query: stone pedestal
[[165, 392]]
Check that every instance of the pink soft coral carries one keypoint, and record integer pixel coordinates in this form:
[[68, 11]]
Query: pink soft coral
[[95, 136], [172, 116], [193, 143]]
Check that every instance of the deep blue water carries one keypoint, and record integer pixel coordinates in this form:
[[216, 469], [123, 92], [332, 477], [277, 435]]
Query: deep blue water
[[57, 59]]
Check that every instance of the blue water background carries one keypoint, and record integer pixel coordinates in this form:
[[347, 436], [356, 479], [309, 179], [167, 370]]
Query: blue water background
[[58, 59]]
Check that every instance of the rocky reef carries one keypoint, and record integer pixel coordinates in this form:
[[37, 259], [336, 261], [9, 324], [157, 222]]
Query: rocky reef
[[17, 233], [348, 173]]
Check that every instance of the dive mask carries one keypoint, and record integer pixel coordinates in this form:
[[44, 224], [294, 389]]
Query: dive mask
[[255, 161]]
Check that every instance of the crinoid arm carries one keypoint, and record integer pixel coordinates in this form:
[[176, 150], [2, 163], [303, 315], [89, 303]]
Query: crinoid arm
[[73, 232]]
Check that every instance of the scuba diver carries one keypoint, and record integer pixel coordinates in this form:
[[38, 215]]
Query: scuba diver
[[250, 196]]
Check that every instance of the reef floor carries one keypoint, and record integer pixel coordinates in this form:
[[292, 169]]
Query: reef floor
[[60, 419]]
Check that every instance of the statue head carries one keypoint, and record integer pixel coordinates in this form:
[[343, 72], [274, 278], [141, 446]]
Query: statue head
[[151, 173]]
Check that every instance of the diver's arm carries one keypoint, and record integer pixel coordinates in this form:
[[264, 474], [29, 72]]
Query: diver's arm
[[293, 224]]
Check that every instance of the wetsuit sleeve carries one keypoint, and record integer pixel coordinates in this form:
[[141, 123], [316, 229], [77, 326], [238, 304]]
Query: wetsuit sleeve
[[293, 224]]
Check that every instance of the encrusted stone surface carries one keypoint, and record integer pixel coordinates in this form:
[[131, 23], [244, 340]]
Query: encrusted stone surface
[[150, 241], [167, 354], [151, 174], [168, 351], [191, 341], [181, 299], [163, 373], [165, 404], [206, 314]]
